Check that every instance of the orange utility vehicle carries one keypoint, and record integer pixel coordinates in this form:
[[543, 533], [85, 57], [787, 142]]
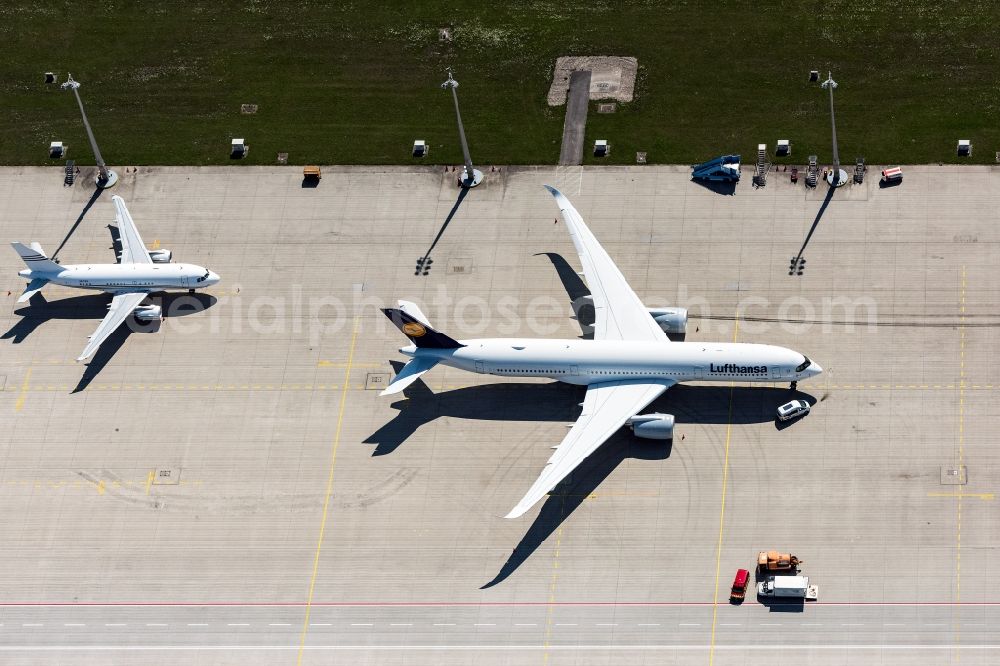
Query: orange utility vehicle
[[772, 560]]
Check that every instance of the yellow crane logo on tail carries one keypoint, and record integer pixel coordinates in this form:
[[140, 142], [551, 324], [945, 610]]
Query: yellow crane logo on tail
[[414, 330]]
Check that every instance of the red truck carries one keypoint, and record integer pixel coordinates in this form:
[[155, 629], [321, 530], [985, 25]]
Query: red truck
[[740, 584]]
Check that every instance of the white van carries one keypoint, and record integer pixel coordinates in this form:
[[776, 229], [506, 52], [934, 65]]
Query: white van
[[892, 175]]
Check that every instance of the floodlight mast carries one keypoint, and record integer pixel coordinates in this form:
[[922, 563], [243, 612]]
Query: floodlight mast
[[834, 179], [471, 177], [105, 176]]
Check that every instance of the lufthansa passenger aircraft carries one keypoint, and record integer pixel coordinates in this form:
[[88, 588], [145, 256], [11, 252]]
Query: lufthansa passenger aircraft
[[627, 365], [139, 273]]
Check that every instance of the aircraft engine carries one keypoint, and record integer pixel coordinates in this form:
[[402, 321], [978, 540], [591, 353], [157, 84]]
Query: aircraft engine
[[161, 256], [652, 426], [671, 320], [149, 313]]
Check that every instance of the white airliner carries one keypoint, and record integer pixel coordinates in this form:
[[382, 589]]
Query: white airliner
[[139, 273], [627, 365]]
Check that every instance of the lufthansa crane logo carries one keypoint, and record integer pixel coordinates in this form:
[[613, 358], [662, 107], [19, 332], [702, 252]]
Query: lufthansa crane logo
[[414, 330]]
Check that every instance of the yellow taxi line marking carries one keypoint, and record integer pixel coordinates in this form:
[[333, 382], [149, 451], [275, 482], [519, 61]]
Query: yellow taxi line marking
[[722, 510], [552, 584], [329, 490], [982, 496], [961, 460], [340, 364], [24, 391]]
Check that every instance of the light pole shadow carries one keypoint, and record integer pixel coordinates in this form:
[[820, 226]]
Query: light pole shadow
[[422, 263]]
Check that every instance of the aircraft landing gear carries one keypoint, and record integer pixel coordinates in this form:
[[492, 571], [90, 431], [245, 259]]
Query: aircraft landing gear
[[795, 386], [191, 291]]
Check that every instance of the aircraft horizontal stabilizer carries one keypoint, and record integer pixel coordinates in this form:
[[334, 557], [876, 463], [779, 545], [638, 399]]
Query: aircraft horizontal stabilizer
[[33, 288], [410, 373]]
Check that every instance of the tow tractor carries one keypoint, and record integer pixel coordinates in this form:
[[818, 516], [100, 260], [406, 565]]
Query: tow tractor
[[772, 560]]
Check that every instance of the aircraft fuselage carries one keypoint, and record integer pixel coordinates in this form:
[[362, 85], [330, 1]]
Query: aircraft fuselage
[[129, 277], [586, 362]]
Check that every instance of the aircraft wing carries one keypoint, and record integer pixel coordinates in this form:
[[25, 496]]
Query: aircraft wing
[[618, 312], [606, 408], [122, 305], [133, 249]]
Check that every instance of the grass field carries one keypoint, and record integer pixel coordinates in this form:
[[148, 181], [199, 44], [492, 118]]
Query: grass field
[[356, 82]]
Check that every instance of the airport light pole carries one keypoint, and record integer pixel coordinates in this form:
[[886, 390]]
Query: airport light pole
[[105, 176], [837, 176], [471, 176]]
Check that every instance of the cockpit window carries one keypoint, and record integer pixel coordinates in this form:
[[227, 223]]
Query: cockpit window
[[802, 366]]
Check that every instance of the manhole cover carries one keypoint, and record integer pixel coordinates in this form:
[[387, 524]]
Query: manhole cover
[[953, 476], [607, 107], [167, 476], [282, 158], [376, 381], [460, 265], [640, 158]]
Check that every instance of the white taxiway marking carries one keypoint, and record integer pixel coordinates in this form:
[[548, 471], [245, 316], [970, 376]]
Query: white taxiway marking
[[525, 624], [115, 624], [400, 624], [730, 624], [197, 624], [319, 624], [444, 624], [156, 624], [278, 624], [649, 624], [688, 624], [238, 624], [74, 624], [484, 624], [362, 624]]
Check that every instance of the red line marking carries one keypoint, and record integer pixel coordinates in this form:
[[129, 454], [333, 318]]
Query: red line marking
[[471, 604]]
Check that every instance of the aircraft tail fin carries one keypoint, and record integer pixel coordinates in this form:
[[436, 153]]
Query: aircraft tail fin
[[35, 258], [412, 322]]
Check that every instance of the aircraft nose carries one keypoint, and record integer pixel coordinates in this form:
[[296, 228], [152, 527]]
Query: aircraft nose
[[815, 369], [213, 278]]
